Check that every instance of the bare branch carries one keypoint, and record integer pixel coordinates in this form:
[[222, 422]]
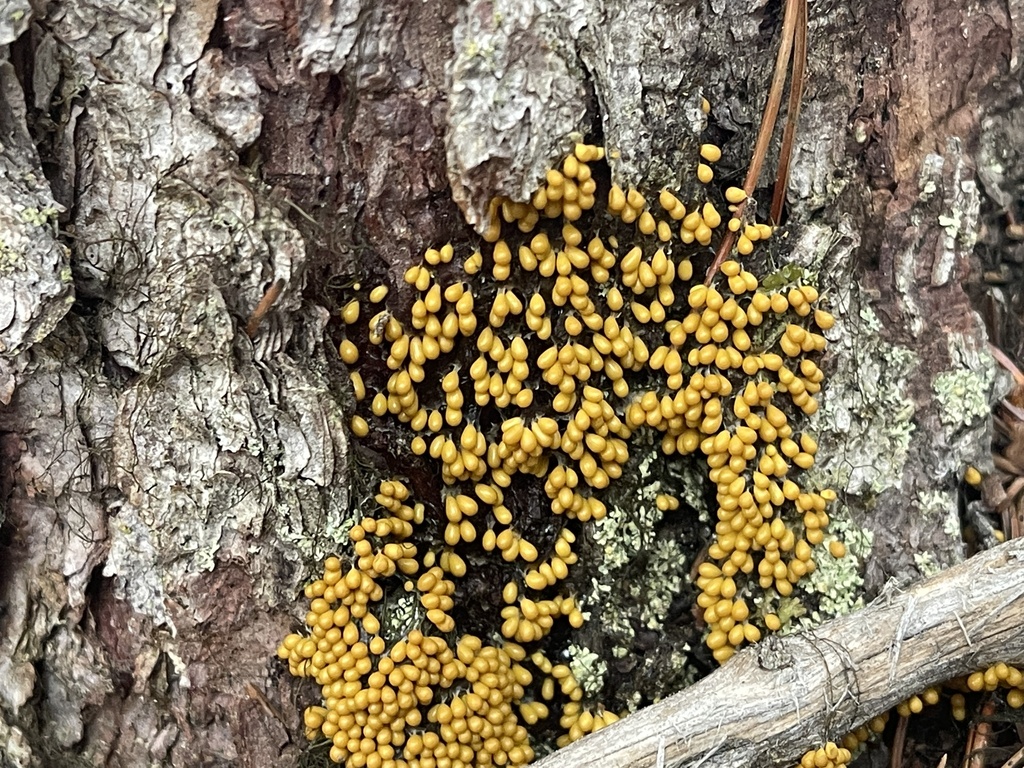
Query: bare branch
[[772, 702]]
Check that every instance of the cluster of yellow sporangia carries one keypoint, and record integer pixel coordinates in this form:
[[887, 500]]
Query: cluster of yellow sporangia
[[586, 333], [994, 677], [829, 756], [375, 690], [832, 755], [1000, 676]]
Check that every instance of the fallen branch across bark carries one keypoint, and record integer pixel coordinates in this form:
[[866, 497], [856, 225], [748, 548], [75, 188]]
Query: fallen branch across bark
[[771, 703]]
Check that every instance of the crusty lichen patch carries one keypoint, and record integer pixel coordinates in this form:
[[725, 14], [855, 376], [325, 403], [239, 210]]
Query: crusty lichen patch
[[963, 393], [869, 413], [35, 281], [837, 584], [588, 668]]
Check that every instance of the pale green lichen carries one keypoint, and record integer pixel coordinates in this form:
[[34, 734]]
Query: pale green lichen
[[951, 224], [966, 421], [622, 650], [626, 531], [961, 222], [788, 609], [39, 217], [668, 562], [10, 258], [646, 598], [789, 275], [869, 319], [132, 550], [614, 619], [16, 238], [868, 414], [588, 668], [835, 588], [404, 613], [930, 178], [965, 392], [926, 564], [332, 535], [837, 583], [633, 701], [962, 396], [679, 659], [626, 544], [941, 507]]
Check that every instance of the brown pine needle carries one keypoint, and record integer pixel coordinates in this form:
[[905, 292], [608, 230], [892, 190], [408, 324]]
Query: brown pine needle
[[899, 742], [263, 307], [795, 13], [1004, 360], [978, 738], [796, 92]]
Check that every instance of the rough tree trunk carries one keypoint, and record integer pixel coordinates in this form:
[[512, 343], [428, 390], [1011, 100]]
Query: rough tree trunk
[[166, 483]]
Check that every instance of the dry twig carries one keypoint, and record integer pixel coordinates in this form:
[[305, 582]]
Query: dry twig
[[770, 703], [1016, 760]]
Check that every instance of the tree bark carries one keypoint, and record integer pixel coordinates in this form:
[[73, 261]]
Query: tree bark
[[168, 484]]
